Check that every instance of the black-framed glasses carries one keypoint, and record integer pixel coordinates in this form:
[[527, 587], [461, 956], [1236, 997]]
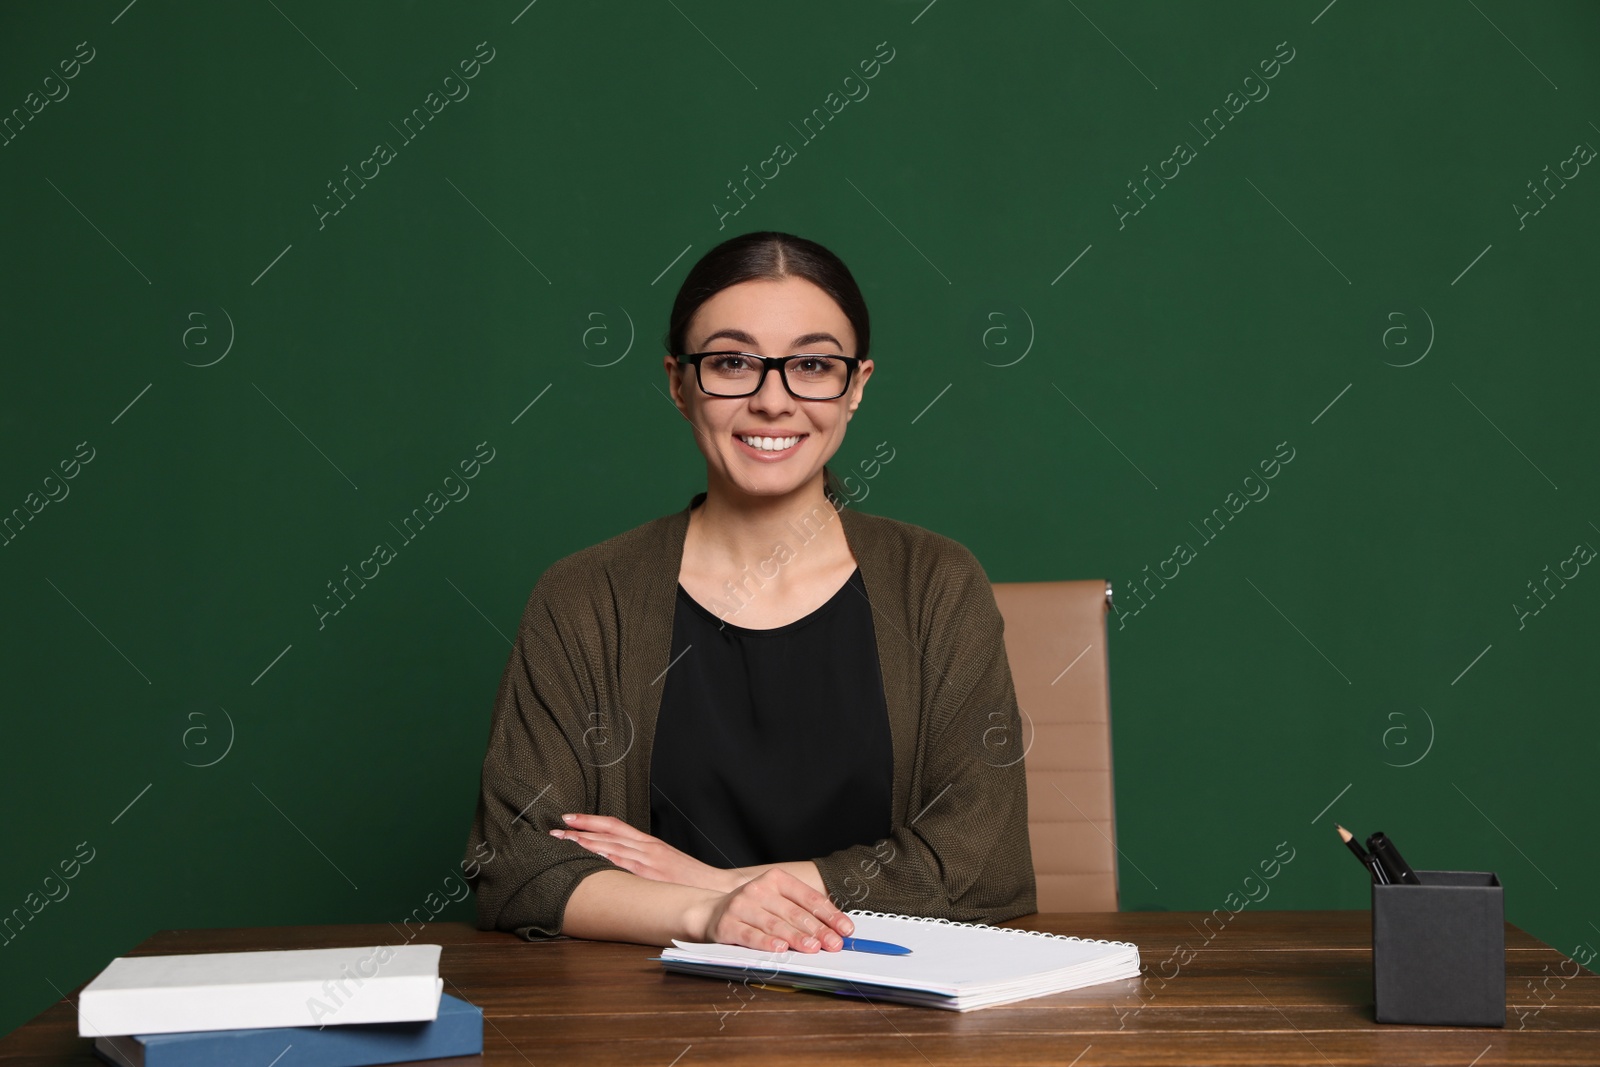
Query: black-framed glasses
[[810, 376]]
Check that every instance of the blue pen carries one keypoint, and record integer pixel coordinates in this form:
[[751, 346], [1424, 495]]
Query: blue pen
[[882, 948]]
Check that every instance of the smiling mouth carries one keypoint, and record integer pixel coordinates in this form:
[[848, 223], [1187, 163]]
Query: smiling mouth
[[771, 446]]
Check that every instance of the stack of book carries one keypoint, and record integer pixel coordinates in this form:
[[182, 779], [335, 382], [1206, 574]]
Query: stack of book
[[327, 1007]]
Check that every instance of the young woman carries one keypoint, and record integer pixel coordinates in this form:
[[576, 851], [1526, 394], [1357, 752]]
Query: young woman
[[734, 721]]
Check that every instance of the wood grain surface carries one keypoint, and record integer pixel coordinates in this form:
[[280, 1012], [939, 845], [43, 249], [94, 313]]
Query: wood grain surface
[[1284, 987]]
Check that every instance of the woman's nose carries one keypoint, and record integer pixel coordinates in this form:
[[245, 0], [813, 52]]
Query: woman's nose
[[772, 395]]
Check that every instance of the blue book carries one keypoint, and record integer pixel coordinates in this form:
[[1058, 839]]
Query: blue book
[[458, 1031]]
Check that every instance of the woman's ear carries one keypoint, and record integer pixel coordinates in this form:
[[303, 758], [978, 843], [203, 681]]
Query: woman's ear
[[863, 372], [675, 385]]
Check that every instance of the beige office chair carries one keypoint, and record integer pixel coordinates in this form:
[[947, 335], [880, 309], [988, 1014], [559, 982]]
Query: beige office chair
[[1056, 642]]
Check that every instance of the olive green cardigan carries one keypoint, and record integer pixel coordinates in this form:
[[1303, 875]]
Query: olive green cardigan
[[576, 712]]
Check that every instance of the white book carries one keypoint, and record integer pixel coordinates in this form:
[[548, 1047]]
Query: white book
[[247, 990], [958, 966]]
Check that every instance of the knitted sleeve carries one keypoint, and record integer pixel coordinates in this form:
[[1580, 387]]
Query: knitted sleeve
[[535, 769], [962, 851]]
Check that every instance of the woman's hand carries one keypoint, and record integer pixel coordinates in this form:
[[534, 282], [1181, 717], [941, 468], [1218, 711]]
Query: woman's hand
[[638, 853], [774, 912]]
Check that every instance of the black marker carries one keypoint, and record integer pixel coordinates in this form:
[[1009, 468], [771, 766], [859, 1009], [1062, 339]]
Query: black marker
[[1379, 876], [1389, 858]]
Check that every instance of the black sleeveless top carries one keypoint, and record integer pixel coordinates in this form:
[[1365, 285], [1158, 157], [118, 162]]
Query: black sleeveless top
[[772, 745]]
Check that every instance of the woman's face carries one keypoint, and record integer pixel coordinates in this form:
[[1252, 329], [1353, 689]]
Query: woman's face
[[768, 318]]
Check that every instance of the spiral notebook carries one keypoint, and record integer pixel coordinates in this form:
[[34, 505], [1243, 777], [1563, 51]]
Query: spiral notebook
[[952, 965]]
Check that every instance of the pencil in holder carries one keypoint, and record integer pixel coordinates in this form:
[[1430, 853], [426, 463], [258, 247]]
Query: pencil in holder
[[1439, 950]]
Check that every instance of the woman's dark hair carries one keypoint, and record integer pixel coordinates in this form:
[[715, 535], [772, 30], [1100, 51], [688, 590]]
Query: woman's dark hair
[[771, 256]]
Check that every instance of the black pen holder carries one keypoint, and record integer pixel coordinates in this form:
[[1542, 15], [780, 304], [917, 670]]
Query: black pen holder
[[1439, 950]]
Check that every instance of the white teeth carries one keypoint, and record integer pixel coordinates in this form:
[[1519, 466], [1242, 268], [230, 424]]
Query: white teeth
[[770, 444]]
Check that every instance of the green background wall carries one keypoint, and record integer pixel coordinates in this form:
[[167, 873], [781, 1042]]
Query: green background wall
[[1342, 270]]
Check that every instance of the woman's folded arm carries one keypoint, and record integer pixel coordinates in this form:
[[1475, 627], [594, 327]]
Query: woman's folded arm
[[532, 773]]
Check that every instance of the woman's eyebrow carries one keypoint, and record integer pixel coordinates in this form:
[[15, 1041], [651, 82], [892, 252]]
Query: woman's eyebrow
[[799, 342], [816, 338]]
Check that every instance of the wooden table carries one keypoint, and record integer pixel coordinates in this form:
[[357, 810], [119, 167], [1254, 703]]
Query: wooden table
[[1287, 987]]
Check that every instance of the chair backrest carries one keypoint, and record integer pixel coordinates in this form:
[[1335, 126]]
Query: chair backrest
[[1055, 634]]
